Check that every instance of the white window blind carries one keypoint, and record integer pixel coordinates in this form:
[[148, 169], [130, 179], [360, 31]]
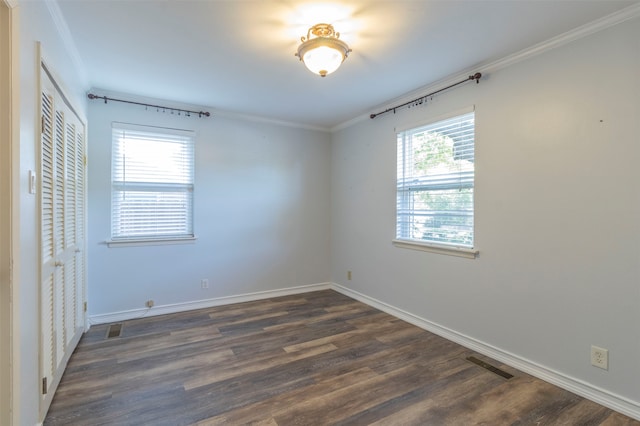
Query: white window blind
[[435, 182], [152, 173]]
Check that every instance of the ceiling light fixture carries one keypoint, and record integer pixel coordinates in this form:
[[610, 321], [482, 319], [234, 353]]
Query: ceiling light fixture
[[323, 53]]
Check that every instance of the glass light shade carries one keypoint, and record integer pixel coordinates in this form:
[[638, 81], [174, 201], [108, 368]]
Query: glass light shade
[[323, 53], [323, 60]]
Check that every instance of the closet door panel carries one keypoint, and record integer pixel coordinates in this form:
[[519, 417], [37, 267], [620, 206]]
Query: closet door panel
[[80, 226], [62, 224], [47, 253]]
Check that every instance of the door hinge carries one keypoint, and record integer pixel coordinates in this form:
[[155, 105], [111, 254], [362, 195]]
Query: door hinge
[[84, 306], [44, 385]]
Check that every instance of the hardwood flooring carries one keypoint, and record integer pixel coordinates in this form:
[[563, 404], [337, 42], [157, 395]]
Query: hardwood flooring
[[313, 359]]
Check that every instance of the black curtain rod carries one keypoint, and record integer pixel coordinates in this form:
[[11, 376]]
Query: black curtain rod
[[158, 107], [421, 99]]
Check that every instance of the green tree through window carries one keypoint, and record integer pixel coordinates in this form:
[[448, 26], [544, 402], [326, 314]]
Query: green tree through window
[[435, 182]]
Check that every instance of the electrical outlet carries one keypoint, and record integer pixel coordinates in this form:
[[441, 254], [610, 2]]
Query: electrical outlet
[[349, 275], [600, 357], [204, 283], [149, 303]]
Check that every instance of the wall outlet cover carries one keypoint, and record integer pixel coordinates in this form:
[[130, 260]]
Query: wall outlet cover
[[600, 357]]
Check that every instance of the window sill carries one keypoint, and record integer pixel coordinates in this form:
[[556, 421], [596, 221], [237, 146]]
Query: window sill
[[151, 242], [437, 248]]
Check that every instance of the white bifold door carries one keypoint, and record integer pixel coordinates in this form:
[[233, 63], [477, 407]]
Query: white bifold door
[[62, 230]]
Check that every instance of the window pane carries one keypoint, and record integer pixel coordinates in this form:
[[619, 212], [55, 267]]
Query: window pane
[[435, 182], [443, 216], [152, 183], [151, 213], [152, 158]]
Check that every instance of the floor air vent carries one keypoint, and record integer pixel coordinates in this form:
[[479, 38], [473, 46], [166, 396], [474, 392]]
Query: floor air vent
[[114, 330], [490, 367]]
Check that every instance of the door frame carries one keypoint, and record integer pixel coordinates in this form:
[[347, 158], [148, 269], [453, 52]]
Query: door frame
[[9, 214]]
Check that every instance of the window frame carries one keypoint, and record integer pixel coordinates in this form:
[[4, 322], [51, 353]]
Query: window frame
[[451, 249], [189, 139]]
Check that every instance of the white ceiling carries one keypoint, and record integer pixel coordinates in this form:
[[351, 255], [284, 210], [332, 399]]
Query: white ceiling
[[238, 55]]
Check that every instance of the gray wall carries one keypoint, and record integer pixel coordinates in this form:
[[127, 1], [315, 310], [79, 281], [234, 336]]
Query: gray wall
[[557, 210], [261, 213]]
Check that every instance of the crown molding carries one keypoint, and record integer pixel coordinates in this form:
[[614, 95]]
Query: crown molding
[[351, 122], [578, 33], [214, 112], [628, 13], [259, 119], [67, 40]]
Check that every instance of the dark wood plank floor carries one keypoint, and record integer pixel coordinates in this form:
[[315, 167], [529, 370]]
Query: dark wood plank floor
[[314, 359]]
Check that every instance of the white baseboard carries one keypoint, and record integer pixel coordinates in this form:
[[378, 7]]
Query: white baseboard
[[201, 304], [579, 387]]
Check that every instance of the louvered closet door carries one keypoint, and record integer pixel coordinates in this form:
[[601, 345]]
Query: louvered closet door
[[80, 222], [47, 218], [62, 231]]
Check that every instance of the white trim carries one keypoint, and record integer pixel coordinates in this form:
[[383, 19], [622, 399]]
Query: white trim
[[601, 396], [585, 30], [16, 259], [7, 132], [582, 31], [350, 122], [67, 39], [214, 112], [266, 120], [468, 253], [579, 387], [120, 125], [426, 121], [150, 242], [201, 304]]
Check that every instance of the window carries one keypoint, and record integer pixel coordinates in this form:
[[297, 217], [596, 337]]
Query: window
[[435, 183], [152, 173]]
